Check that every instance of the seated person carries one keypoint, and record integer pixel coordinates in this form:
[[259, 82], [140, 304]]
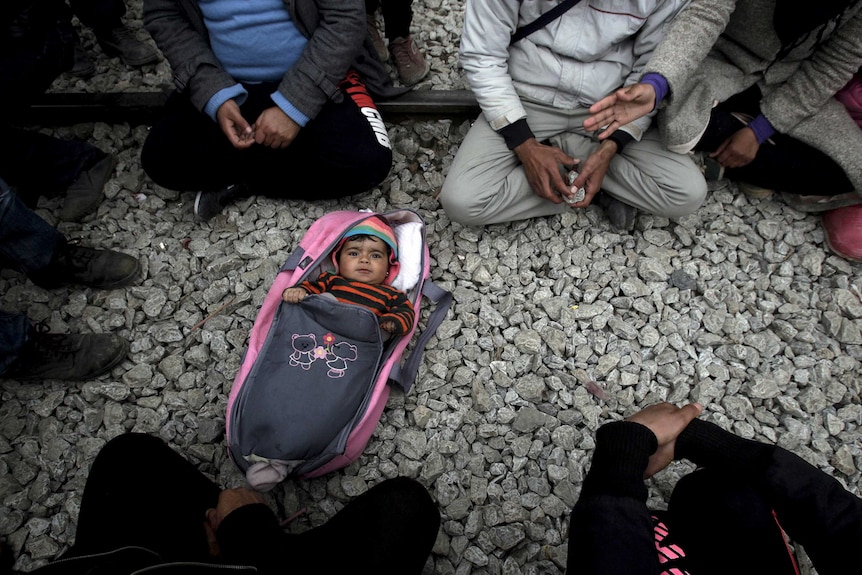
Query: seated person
[[535, 93]]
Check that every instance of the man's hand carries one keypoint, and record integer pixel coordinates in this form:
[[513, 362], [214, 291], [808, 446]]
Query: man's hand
[[738, 150], [239, 133], [592, 172], [666, 421], [618, 109], [542, 165], [275, 129]]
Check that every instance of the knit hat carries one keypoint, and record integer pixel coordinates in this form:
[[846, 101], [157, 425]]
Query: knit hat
[[377, 227]]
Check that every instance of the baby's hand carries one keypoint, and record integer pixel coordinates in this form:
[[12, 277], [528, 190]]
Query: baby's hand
[[293, 294], [388, 326]]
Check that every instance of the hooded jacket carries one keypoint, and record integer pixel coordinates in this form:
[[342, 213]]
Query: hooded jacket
[[591, 50]]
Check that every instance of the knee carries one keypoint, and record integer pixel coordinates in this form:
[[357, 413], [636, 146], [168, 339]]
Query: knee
[[686, 196], [460, 205]]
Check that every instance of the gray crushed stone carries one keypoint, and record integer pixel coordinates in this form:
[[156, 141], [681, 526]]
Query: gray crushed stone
[[558, 325]]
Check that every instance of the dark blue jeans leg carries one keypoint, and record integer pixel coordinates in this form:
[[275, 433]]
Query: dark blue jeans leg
[[27, 242], [14, 329]]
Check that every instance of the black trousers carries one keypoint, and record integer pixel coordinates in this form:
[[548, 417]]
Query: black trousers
[[344, 150], [725, 525], [397, 16], [785, 164], [140, 492]]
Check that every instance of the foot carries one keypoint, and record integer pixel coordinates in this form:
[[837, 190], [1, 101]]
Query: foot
[[409, 60], [121, 41], [87, 192], [754, 192], [814, 204], [82, 65], [101, 269], [621, 215], [209, 204], [843, 228], [68, 357], [376, 38]]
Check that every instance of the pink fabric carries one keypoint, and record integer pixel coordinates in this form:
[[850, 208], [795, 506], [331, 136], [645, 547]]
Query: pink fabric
[[851, 96], [843, 229]]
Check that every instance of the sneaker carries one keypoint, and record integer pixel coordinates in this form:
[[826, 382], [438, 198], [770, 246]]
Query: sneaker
[[621, 215], [122, 41], [409, 60], [101, 269], [210, 203], [82, 64], [843, 229], [376, 38], [69, 357], [754, 192], [87, 192], [813, 204]]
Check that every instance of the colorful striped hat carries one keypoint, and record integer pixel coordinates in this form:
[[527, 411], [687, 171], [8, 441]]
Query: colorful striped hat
[[377, 227]]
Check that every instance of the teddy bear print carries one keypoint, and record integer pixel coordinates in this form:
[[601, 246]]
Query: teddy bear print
[[303, 344], [338, 356]]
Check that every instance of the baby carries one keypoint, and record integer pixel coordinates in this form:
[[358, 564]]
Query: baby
[[366, 262]]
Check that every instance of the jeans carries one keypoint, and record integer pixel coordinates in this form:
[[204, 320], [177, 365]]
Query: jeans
[[28, 244]]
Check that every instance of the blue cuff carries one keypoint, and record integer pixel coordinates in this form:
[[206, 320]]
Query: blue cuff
[[763, 130], [235, 92], [289, 109], [659, 84]]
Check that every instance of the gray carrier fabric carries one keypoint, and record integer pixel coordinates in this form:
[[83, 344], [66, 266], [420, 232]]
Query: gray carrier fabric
[[313, 377]]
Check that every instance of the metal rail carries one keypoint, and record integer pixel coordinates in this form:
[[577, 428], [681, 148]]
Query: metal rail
[[53, 109]]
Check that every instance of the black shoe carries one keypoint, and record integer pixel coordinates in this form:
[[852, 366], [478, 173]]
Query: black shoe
[[621, 215], [209, 204], [87, 192], [69, 357], [102, 269], [82, 66], [122, 42]]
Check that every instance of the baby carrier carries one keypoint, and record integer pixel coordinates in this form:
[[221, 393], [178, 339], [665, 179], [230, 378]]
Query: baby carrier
[[315, 377]]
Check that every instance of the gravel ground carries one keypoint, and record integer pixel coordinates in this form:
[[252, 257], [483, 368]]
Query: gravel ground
[[558, 325]]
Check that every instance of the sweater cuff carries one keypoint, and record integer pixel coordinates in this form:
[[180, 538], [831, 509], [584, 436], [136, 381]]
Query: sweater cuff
[[623, 449], [706, 444], [250, 534], [763, 129], [659, 84], [516, 133], [622, 138]]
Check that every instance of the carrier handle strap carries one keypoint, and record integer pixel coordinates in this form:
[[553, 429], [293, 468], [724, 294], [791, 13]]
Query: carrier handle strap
[[542, 20], [405, 375]]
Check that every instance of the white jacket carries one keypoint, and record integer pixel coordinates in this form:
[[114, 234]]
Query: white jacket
[[591, 50]]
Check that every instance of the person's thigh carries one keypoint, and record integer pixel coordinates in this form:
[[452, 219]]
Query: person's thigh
[[345, 150], [186, 151], [725, 526], [487, 183], [648, 176], [141, 492], [392, 527], [27, 242]]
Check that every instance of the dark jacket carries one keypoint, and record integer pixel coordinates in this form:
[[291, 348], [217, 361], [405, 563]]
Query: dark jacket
[[338, 40]]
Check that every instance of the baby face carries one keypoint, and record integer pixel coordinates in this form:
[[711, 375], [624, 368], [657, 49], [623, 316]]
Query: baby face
[[365, 260]]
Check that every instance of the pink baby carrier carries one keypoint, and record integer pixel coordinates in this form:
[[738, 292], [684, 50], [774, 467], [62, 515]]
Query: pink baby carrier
[[315, 378]]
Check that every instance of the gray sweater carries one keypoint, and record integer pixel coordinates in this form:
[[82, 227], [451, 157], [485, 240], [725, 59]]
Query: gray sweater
[[717, 48]]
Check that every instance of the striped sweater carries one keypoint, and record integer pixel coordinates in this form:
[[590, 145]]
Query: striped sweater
[[387, 302]]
